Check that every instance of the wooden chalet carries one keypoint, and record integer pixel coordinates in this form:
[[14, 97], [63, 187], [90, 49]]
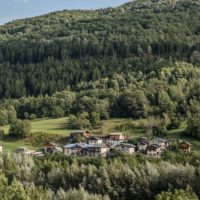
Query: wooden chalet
[[185, 146], [52, 147]]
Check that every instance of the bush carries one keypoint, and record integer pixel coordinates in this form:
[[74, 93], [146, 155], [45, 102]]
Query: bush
[[20, 129], [32, 116], [175, 123]]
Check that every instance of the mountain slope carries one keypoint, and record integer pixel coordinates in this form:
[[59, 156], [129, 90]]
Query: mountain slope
[[46, 54]]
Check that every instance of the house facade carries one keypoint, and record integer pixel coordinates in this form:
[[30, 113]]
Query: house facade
[[160, 142], [96, 150], [95, 140], [114, 139], [142, 145], [74, 149], [185, 146], [126, 148], [51, 147], [154, 150]]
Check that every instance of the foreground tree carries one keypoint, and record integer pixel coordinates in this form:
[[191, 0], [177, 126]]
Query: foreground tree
[[177, 195], [20, 129], [132, 104], [193, 126]]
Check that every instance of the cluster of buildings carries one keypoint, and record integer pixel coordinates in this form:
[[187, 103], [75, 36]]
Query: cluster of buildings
[[105, 145], [95, 146]]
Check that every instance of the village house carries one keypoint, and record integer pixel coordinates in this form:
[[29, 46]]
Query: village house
[[142, 144], [185, 146], [24, 151], [96, 150], [74, 149], [126, 148], [79, 134], [154, 150], [95, 140], [114, 139], [51, 147], [160, 142]]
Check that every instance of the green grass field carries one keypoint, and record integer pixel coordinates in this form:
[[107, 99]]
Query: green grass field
[[60, 127], [52, 126]]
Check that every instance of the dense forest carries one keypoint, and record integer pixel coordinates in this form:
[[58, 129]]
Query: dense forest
[[175, 177], [46, 54], [171, 96]]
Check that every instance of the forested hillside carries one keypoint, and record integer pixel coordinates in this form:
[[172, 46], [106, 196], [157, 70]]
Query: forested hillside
[[47, 54]]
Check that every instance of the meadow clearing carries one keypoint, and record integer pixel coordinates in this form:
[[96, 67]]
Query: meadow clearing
[[60, 127]]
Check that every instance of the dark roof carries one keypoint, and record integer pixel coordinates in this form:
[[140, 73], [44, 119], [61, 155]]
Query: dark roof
[[126, 144], [160, 139], [95, 138], [51, 143], [153, 146], [82, 145], [143, 142], [184, 142], [96, 146]]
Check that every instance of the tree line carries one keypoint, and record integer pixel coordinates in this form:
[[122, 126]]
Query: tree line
[[170, 94], [120, 177]]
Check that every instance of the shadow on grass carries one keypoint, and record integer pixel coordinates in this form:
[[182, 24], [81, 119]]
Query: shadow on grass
[[63, 126], [10, 139]]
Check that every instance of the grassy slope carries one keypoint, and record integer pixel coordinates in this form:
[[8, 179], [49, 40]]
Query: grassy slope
[[59, 126], [54, 126]]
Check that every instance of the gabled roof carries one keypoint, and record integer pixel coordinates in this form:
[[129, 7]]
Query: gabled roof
[[153, 146], [82, 145], [184, 142], [52, 143], [97, 146], [95, 138], [160, 139], [143, 142], [127, 145]]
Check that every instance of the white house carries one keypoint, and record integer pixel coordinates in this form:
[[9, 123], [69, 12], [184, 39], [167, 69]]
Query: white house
[[126, 148], [142, 145], [95, 140], [96, 150], [160, 142], [154, 150], [114, 139], [74, 149]]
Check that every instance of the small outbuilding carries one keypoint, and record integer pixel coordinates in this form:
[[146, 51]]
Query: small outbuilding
[[185, 146], [52, 147]]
